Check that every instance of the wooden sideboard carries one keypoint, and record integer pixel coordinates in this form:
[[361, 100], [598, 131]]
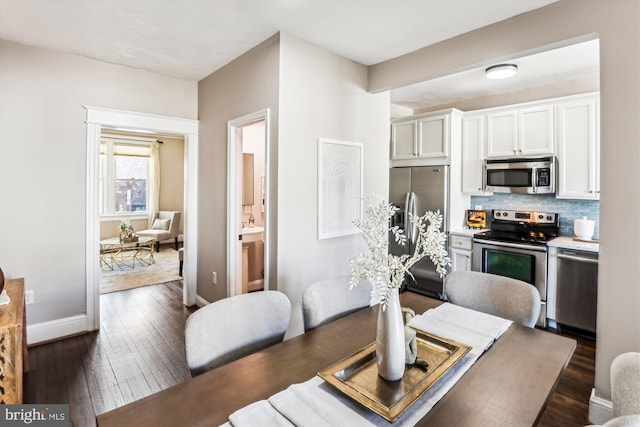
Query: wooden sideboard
[[13, 343]]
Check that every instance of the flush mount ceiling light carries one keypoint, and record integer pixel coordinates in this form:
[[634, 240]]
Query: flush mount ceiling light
[[501, 71]]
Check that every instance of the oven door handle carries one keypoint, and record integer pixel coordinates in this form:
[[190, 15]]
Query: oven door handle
[[499, 245]]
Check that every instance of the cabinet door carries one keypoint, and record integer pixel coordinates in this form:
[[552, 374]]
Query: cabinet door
[[433, 137], [403, 140], [535, 126], [472, 154], [502, 134], [578, 150], [460, 260]]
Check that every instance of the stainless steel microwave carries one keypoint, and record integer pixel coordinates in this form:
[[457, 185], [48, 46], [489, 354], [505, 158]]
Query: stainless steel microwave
[[528, 175]]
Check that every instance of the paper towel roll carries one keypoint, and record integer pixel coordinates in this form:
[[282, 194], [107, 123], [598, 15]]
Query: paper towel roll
[[583, 228]]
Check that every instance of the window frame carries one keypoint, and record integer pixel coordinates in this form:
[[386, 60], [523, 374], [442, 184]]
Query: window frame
[[107, 180]]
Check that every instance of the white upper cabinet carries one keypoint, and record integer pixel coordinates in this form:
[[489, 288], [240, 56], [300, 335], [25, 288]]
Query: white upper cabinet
[[473, 149], [578, 149], [403, 140], [422, 140], [520, 132], [433, 137]]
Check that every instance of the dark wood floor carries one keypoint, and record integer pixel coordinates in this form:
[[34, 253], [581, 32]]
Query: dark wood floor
[[140, 350]]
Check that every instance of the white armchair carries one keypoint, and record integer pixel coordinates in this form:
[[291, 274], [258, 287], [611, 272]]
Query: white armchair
[[165, 225]]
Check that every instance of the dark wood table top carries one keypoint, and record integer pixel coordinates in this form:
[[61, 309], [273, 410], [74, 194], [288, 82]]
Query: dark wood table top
[[509, 385]]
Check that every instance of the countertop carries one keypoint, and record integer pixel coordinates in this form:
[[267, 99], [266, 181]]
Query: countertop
[[467, 231], [569, 243]]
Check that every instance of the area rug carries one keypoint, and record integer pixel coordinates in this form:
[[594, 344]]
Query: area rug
[[164, 270]]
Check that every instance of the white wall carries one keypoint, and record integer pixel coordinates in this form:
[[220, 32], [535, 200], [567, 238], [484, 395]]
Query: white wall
[[321, 95], [617, 25], [42, 162]]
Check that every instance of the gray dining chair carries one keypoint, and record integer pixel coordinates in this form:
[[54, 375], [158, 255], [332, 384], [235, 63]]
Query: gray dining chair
[[625, 384], [234, 327], [330, 299], [489, 293], [625, 391]]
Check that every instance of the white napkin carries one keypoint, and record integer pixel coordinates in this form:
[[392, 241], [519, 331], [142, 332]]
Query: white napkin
[[314, 403], [470, 327], [259, 413]]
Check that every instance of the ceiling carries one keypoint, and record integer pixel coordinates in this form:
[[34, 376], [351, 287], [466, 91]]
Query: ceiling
[[190, 39]]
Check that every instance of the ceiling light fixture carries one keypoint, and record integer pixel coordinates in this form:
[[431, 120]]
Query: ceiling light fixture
[[501, 71]]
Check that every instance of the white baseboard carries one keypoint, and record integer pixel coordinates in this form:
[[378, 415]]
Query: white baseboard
[[73, 325], [600, 410], [201, 302], [56, 329]]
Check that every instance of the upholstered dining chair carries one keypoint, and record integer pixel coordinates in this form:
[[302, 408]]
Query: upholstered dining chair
[[164, 225], [501, 296], [330, 299], [234, 327], [625, 391]]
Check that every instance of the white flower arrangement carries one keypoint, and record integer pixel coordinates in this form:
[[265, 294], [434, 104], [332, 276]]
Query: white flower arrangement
[[386, 271]]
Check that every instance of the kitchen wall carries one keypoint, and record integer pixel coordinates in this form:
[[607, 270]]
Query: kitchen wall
[[616, 23], [321, 95], [568, 209]]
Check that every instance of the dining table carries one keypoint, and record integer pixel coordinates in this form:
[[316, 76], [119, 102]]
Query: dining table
[[510, 384]]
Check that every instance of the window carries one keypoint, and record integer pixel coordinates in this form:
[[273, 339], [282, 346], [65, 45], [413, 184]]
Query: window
[[124, 177]]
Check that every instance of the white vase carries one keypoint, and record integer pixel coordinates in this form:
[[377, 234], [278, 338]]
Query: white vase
[[390, 345]]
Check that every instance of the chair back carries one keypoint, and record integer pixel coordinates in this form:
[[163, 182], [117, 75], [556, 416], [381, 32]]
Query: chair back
[[231, 328], [625, 384], [489, 293], [331, 299], [174, 223]]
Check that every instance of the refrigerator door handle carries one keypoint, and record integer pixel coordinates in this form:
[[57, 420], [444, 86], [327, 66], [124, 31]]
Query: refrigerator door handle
[[405, 221], [414, 211]]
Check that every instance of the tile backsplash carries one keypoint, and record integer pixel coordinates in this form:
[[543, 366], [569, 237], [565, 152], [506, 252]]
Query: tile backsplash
[[568, 209]]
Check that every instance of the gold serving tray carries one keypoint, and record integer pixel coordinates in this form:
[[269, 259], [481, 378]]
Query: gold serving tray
[[357, 375]]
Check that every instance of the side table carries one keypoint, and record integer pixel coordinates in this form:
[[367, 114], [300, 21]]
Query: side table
[[13, 343]]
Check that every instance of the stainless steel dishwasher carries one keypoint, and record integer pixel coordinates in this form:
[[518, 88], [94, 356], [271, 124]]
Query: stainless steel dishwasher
[[577, 289]]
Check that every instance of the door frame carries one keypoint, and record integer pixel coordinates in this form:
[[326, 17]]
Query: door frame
[[97, 118], [234, 226]]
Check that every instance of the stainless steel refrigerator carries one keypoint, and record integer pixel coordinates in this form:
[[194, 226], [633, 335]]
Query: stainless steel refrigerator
[[418, 189]]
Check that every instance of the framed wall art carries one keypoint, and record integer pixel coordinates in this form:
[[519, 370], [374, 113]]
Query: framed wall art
[[340, 186]]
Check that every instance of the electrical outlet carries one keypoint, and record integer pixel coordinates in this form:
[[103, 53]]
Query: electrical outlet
[[478, 207], [214, 278], [29, 297]]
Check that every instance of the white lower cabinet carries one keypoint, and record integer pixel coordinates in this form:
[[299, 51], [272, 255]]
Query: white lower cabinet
[[461, 251]]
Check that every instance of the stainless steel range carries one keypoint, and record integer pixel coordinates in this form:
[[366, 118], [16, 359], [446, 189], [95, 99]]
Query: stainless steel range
[[516, 246]]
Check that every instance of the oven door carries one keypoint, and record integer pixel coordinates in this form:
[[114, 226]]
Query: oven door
[[522, 262]]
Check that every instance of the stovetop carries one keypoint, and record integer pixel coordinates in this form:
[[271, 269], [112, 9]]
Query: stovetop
[[535, 228]]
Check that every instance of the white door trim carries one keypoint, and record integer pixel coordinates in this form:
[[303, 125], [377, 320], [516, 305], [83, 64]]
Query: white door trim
[[234, 227], [97, 118]]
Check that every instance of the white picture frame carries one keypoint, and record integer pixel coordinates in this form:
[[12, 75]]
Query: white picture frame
[[340, 187]]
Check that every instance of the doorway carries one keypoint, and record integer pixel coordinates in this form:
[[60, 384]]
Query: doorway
[[140, 173], [97, 118], [247, 203]]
